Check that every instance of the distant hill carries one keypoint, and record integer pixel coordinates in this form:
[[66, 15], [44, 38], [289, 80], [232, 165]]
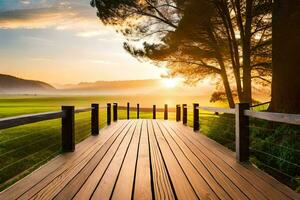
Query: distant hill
[[12, 84], [114, 87]]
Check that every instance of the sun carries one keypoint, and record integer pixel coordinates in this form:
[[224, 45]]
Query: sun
[[169, 83]]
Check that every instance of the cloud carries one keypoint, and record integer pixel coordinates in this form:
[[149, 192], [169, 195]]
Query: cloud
[[89, 34], [26, 2], [60, 15], [102, 62], [41, 59], [33, 18]]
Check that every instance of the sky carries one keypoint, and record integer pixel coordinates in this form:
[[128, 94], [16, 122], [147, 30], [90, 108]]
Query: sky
[[63, 42]]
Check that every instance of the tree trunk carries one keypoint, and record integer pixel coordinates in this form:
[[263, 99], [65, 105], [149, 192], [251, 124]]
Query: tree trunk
[[227, 89], [215, 46], [286, 57], [233, 47], [247, 87]]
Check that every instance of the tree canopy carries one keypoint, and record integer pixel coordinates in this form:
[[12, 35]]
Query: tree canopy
[[226, 39]]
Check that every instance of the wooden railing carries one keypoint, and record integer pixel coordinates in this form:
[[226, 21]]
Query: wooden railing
[[67, 116], [242, 113]]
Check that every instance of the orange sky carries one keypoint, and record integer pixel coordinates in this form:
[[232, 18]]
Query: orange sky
[[62, 41]]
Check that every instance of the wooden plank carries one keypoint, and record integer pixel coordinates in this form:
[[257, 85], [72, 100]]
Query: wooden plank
[[162, 186], [275, 183], [221, 153], [249, 190], [106, 185], [142, 187], [202, 160], [218, 181], [28, 119], [69, 191], [91, 183], [35, 177], [125, 181], [181, 184], [275, 117], [52, 184], [199, 184]]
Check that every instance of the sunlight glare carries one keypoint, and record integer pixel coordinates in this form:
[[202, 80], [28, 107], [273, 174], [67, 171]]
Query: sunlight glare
[[169, 83]]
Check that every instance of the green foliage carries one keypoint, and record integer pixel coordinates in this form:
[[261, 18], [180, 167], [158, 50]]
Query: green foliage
[[220, 128], [276, 148]]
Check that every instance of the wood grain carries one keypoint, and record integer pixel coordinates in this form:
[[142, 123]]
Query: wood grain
[[148, 159]]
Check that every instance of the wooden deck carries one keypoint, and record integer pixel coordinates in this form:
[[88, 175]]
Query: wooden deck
[[148, 159]]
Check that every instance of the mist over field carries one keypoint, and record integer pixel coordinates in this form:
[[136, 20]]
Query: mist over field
[[146, 92]]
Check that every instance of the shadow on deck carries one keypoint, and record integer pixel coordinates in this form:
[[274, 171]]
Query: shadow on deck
[[148, 159]]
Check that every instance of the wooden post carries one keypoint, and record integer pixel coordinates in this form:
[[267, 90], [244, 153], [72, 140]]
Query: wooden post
[[138, 111], [108, 113], [115, 112], [242, 132], [154, 111], [128, 112], [184, 113], [196, 116], [166, 112], [95, 119], [68, 129], [178, 113]]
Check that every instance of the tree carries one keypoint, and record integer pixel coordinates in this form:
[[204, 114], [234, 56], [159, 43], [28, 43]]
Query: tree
[[286, 59], [198, 38]]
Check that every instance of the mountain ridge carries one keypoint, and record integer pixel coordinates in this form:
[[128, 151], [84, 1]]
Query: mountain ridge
[[9, 83]]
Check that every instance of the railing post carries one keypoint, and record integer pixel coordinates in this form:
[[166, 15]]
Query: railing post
[[108, 112], [166, 112], [184, 113], [95, 119], [178, 113], [128, 107], [115, 112], [68, 129], [242, 132], [138, 111], [154, 111], [196, 116]]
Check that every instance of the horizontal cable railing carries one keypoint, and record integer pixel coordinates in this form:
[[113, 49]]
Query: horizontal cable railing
[[28, 141]]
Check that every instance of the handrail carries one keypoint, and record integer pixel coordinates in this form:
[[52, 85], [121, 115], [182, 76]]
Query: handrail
[[10, 122], [80, 110], [28, 119], [219, 110], [275, 117]]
